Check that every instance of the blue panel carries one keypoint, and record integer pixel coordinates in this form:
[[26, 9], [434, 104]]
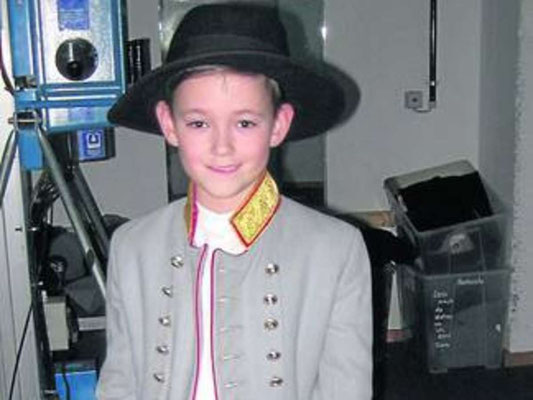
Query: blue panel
[[32, 28], [64, 120], [73, 15], [20, 37], [31, 156], [81, 385], [118, 8], [91, 145], [80, 113]]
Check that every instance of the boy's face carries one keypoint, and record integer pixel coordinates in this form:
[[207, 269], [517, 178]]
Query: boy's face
[[224, 124]]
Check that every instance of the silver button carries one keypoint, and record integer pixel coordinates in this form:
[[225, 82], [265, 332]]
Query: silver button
[[163, 349], [165, 320], [272, 269], [271, 324], [270, 299], [276, 381], [177, 261], [159, 377], [167, 291], [273, 355]]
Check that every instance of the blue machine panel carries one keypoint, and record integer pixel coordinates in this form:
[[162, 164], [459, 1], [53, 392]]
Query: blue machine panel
[[91, 145], [79, 381], [21, 25], [73, 14], [67, 54], [31, 156]]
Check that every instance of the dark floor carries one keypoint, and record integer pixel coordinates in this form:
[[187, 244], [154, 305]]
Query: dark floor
[[406, 378]]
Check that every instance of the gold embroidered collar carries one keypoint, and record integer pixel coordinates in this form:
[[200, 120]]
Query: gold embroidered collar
[[250, 219]]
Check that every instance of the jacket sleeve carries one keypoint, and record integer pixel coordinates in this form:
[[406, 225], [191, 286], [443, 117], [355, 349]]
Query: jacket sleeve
[[116, 380], [345, 370]]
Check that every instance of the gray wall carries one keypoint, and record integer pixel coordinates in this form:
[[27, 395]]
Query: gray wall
[[497, 144], [521, 334], [384, 45], [499, 52]]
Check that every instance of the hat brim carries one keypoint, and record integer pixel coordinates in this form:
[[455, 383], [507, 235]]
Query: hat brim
[[321, 96]]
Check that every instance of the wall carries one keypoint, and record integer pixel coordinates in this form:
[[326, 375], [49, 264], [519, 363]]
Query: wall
[[497, 144], [499, 52], [384, 45], [521, 333]]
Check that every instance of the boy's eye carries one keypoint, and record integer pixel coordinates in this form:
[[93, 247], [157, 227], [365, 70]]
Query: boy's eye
[[246, 123], [197, 124]]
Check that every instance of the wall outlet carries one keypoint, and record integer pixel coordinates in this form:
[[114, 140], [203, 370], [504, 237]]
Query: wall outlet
[[413, 99]]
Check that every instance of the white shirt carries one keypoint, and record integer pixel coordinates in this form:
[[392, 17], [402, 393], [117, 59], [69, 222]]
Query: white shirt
[[216, 231]]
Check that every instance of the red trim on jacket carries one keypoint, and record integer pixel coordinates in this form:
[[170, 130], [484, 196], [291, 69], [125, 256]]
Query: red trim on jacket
[[197, 321]]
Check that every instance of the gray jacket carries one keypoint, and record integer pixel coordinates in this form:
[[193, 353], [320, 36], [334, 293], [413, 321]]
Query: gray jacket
[[292, 314]]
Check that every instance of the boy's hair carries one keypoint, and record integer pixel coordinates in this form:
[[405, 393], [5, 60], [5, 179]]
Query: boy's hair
[[271, 85]]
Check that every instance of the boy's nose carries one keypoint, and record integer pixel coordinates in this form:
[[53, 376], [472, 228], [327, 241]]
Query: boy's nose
[[222, 142]]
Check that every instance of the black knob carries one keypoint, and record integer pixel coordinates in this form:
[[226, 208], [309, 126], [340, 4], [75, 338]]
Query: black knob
[[76, 59]]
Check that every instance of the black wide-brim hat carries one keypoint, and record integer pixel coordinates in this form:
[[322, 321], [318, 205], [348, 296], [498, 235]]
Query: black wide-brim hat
[[248, 38]]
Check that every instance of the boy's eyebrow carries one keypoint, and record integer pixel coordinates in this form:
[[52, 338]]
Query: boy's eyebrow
[[198, 110], [250, 111], [190, 111]]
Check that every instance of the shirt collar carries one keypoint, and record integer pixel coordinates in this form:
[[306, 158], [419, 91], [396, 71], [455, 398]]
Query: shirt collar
[[215, 230], [250, 219]]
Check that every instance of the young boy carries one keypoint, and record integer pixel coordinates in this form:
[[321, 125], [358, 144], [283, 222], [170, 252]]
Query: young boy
[[235, 292]]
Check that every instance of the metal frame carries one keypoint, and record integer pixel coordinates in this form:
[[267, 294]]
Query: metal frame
[[66, 196]]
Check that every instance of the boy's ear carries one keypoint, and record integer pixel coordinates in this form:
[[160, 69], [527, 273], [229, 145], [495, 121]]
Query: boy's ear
[[166, 122], [282, 124]]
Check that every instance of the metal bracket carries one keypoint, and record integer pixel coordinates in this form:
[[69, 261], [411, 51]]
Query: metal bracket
[[21, 120]]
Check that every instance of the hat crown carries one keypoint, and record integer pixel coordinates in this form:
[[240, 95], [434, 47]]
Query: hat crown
[[228, 27]]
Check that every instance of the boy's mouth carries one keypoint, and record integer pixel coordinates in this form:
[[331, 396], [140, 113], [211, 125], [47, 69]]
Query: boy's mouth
[[224, 169]]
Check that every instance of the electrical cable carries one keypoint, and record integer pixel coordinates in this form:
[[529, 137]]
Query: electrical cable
[[19, 352], [65, 380], [5, 76]]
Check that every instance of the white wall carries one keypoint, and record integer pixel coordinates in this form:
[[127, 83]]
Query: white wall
[[384, 45], [499, 54], [521, 335], [497, 145]]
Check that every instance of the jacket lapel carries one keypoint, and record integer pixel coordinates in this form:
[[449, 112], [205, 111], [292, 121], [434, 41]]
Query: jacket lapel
[[250, 219]]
